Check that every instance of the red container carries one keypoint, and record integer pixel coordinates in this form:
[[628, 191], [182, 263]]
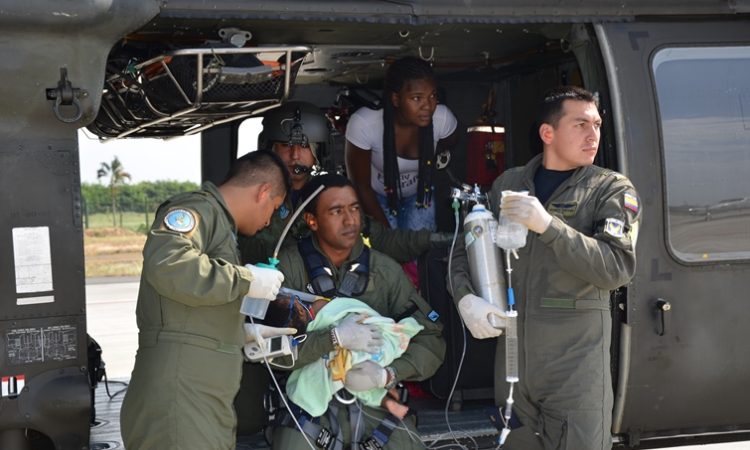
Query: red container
[[485, 154]]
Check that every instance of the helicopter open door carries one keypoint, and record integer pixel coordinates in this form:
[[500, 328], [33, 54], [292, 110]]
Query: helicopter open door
[[681, 101]]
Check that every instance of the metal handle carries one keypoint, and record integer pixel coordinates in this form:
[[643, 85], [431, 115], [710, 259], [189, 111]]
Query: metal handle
[[66, 94], [662, 307]]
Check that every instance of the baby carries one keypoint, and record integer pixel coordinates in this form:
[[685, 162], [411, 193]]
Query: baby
[[330, 371]]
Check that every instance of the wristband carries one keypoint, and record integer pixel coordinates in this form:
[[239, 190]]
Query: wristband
[[335, 339], [393, 380]]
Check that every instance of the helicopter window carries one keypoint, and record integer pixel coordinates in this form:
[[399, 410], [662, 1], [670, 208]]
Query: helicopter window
[[704, 108]]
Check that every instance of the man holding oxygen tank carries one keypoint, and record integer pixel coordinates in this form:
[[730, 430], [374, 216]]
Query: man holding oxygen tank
[[583, 222]]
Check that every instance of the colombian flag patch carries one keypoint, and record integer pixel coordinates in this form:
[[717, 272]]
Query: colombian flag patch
[[631, 202]]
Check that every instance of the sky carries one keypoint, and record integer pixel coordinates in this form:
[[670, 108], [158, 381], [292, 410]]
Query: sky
[[178, 159]]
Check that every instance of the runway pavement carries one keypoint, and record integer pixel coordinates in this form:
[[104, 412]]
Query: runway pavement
[[111, 322]]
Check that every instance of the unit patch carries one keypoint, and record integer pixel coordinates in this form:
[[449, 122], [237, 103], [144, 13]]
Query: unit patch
[[565, 209], [631, 202], [614, 227], [283, 212], [180, 220]]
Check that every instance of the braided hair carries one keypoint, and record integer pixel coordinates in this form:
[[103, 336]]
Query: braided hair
[[399, 74]]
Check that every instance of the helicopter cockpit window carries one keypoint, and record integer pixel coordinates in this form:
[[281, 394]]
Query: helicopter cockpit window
[[704, 108]]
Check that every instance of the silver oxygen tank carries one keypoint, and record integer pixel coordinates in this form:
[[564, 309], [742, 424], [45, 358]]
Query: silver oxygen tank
[[485, 263]]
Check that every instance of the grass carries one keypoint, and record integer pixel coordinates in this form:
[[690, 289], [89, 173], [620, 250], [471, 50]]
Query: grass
[[127, 220], [113, 252]]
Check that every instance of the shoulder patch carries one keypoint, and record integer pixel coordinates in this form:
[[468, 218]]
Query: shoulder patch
[[614, 227], [630, 201], [283, 211], [180, 220], [515, 169]]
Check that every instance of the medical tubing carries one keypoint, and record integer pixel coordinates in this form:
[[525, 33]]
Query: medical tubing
[[257, 307], [511, 347], [283, 397], [291, 221], [455, 206], [506, 417], [511, 296]]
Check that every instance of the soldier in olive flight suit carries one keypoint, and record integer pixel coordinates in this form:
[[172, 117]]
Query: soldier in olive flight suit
[[188, 366], [334, 218], [583, 223], [297, 131]]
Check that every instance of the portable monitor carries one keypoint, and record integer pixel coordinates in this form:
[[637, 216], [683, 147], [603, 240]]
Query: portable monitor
[[276, 346]]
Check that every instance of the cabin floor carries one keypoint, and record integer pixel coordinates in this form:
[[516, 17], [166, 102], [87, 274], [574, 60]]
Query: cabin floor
[[471, 427]]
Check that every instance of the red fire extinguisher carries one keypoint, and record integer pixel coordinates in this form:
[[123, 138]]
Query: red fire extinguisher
[[485, 144]]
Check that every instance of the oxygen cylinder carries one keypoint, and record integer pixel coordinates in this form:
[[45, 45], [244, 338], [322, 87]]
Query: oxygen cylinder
[[485, 263]]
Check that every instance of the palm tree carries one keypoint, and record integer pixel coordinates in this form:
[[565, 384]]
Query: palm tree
[[117, 176]]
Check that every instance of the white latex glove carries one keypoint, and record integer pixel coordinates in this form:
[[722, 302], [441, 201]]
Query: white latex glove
[[266, 282], [259, 333], [475, 312], [527, 210], [353, 335], [365, 376]]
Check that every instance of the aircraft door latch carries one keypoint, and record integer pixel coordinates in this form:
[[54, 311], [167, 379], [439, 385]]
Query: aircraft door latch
[[662, 308], [66, 94]]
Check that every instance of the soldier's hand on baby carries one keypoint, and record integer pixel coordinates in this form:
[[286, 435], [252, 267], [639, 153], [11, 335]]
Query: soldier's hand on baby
[[365, 376], [353, 335], [475, 312], [527, 210]]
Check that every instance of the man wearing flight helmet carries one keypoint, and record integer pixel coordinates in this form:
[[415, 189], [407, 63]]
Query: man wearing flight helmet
[[299, 132]]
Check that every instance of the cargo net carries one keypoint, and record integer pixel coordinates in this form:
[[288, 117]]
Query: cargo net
[[168, 96]]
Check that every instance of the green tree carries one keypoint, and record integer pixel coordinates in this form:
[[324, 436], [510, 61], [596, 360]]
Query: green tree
[[97, 197], [117, 177]]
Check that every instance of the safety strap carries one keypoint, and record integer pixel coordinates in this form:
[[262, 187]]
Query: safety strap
[[366, 228], [320, 275], [408, 313], [323, 437], [332, 439], [355, 279], [380, 435]]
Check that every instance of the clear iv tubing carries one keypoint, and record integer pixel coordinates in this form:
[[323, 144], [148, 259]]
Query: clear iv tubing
[[275, 258], [511, 349], [455, 207], [291, 221], [283, 397]]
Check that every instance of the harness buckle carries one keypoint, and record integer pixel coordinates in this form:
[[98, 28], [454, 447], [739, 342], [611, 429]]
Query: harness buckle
[[324, 439], [403, 393], [369, 444]]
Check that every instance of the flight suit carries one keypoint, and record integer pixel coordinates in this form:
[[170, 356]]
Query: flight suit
[[189, 361], [562, 282], [390, 293]]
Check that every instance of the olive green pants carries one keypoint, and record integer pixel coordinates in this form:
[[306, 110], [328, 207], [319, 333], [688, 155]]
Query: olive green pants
[[564, 397], [180, 398]]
